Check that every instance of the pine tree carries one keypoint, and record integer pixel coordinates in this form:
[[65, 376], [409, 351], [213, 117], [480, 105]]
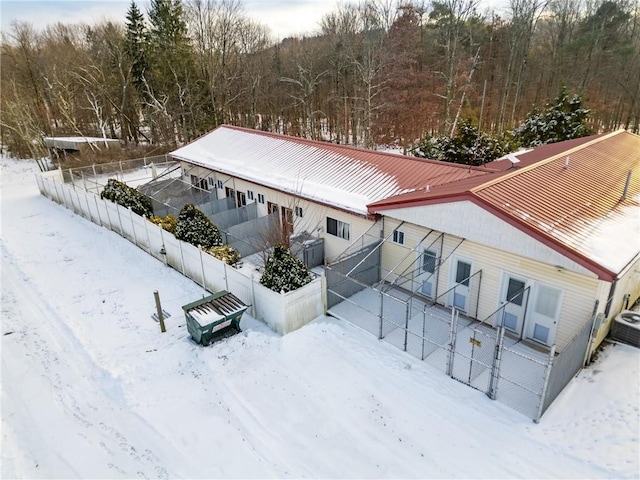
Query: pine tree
[[468, 146], [195, 228], [563, 119], [135, 45], [284, 272]]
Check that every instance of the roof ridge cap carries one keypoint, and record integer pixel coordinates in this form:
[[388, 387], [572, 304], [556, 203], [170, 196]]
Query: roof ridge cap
[[553, 158]]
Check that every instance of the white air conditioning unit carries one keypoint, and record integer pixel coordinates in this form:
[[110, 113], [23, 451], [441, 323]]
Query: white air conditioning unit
[[626, 328]]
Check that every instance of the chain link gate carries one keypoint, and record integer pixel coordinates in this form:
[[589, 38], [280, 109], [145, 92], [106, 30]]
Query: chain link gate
[[472, 357]]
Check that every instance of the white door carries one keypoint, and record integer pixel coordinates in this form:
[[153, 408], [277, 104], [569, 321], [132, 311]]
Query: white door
[[543, 317], [514, 300], [426, 280], [460, 282]]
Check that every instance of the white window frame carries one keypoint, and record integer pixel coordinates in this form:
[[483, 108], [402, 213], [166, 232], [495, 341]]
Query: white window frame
[[220, 183], [298, 212], [398, 237], [261, 198], [249, 194], [342, 228]]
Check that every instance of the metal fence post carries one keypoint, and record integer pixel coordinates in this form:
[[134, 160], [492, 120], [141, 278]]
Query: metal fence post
[[406, 326], [452, 340], [381, 311], [424, 323], [547, 375], [495, 368]]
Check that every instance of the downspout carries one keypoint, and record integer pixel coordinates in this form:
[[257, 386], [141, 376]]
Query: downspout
[[612, 292]]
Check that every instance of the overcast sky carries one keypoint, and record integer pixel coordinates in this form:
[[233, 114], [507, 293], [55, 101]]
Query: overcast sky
[[284, 17]]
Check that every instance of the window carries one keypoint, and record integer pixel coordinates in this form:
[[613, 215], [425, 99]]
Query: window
[[515, 290], [337, 228], [429, 261], [249, 194], [260, 198], [398, 237], [272, 207], [220, 184], [212, 182], [242, 200], [195, 180], [463, 272], [547, 301], [299, 212]]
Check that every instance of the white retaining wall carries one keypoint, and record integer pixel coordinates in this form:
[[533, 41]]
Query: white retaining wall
[[284, 313]]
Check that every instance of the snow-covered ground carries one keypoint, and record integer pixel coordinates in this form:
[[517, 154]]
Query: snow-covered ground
[[92, 389]]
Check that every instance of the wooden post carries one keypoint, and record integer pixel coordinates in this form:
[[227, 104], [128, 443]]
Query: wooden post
[[159, 309]]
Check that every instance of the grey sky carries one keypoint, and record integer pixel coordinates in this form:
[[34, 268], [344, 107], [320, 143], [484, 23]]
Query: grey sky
[[284, 17]]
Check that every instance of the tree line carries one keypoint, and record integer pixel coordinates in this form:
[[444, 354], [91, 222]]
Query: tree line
[[376, 73]]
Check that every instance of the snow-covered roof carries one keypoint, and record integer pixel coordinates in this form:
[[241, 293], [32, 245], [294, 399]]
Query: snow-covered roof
[[583, 199], [74, 143], [340, 176]]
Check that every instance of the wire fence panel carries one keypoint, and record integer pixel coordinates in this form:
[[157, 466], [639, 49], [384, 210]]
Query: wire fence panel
[[566, 364]]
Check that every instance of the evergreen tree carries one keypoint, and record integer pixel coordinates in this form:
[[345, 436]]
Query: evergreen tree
[[172, 73], [563, 119], [195, 228], [135, 44], [284, 272], [468, 146]]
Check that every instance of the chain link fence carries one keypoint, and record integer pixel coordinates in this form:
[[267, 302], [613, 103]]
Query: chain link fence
[[482, 354]]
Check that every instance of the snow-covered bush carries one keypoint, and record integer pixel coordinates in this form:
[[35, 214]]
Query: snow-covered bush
[[122, 194], [168, 223], [284, 272], [227, 254], [195, 228]]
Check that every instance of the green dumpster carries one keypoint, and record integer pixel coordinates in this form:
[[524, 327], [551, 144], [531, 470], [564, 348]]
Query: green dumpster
[[213, 316]]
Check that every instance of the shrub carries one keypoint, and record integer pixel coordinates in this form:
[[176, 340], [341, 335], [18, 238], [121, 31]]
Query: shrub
[[284, 272], [167, 223], [122, 194], [195, 228], [227, 254]]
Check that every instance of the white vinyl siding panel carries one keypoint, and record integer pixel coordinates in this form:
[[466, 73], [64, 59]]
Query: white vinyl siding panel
[[579, 291], [467, 220]]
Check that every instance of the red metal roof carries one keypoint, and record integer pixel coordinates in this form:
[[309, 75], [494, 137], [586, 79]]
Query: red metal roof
[[341, 176], [571, 199]]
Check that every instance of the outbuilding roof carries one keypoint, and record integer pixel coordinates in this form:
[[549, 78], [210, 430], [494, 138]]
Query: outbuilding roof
[[582, 198], [341, 176]]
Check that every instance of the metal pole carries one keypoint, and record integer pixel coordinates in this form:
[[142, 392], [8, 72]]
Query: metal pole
[[495, 370], [159, 309], [543, 394], [381, 306], [452, 340], [406, 327]]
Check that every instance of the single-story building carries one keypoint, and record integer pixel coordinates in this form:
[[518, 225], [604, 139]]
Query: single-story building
[[317, 188], [548, 236], [551, 239]]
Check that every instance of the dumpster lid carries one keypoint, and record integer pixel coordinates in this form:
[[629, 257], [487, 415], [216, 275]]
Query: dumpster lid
[[215, 307]]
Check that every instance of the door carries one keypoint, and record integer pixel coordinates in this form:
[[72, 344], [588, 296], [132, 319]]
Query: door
[[272, 207], [230, 193], [543, 318], [241, 199], [287, 221], [459, 296], [514, 300], [426, 280]]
